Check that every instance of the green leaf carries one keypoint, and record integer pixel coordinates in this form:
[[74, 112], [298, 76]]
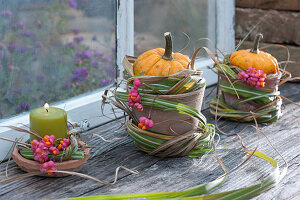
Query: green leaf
[[222, 68], [189, 84], [265, 157], [265, 97]]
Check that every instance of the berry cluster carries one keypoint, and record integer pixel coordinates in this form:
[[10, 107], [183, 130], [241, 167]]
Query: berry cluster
[[253, 77], [44, 147], [48, 166], [63, 144], [134, 98], [145, 123]]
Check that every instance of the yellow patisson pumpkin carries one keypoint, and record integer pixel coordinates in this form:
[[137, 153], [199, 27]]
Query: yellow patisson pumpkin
[[161, 62], [255, 58]]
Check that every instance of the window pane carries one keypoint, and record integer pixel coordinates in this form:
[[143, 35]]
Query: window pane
[[153, 18], [52, 50]]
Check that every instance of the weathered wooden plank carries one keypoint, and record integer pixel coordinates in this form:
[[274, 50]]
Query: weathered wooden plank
[[172, 174], [175, 174]]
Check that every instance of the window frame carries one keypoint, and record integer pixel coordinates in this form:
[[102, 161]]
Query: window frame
[[88, 105]]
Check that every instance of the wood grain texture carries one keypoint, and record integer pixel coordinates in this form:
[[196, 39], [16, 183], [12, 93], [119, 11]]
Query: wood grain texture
[[174, 174]]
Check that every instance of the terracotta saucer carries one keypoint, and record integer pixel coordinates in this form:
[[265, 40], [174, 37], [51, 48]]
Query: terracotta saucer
[[33, 166]]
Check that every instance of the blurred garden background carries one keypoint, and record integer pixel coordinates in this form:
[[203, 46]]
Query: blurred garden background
[[51, 50]]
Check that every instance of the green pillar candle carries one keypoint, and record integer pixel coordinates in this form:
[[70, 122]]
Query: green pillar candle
[[49, 121]]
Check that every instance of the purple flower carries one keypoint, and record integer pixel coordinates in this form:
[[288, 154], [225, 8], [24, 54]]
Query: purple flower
[[11, 47], [6, 13], [9, 13], [104, 82], [24, 106], [1, 54], [72, 44], [95, 63], [76, 30], [21, 49], [94, 37], [78, 38], [107, 58], [79, 54], [87, 54], [97, 52], [67, 84], [73, 3], [21, 25], [80, 74], [28, 34], [84, 55], [110, 70]]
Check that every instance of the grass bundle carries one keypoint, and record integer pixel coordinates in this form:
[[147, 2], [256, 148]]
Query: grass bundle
[[173, 103], [239, 101], [192, 143], [248, 85]]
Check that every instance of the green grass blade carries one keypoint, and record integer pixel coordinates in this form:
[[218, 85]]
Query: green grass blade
[[166, 105], [265, 157], [222, 68], [248, 92]]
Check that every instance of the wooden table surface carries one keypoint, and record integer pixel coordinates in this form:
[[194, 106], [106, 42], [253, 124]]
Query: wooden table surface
[[174, 174]]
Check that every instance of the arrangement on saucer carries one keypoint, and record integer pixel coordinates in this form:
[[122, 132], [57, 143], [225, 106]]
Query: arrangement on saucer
[[53, 146]]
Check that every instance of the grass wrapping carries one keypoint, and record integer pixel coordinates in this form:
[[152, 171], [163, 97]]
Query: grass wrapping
[[195, 143], [268, 102]]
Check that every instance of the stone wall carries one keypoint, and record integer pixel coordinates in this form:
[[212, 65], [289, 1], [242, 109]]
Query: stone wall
[[279, 23]]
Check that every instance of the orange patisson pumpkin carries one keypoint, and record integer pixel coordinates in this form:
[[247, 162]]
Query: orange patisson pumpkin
[[255, 58], [161, 62]]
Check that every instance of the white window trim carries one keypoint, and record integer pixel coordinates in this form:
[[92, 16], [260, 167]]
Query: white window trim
[[221, 13], [88, 105], [125, 31]]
